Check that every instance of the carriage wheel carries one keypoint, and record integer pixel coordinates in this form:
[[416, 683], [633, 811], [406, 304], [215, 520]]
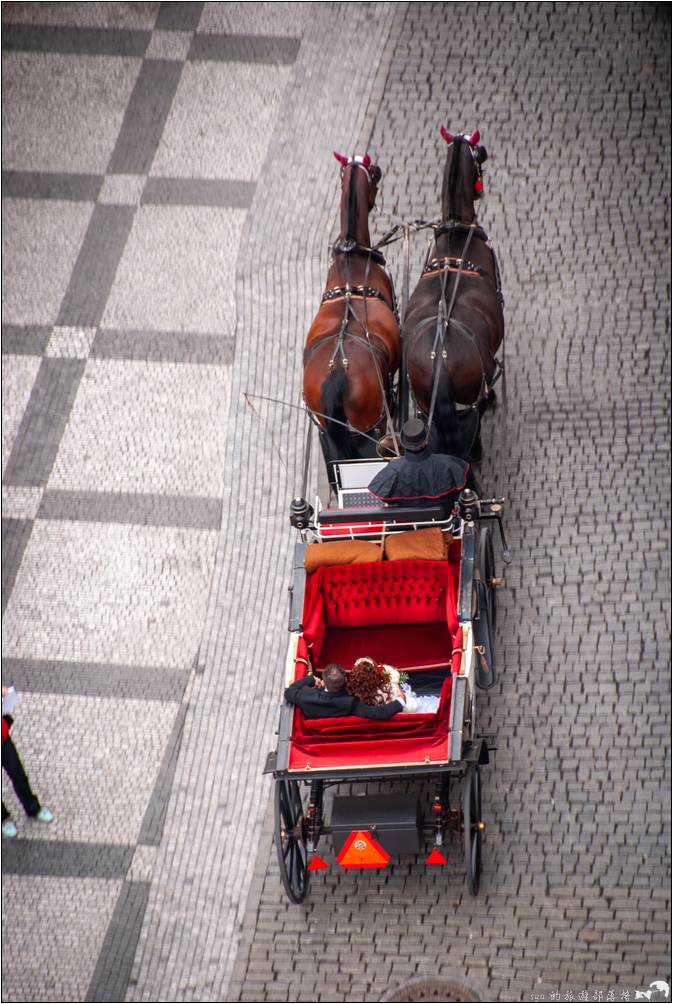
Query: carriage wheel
[[487, 575], [290, 839], [472, 827]]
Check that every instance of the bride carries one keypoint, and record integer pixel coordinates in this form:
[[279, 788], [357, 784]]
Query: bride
[[375, 683]]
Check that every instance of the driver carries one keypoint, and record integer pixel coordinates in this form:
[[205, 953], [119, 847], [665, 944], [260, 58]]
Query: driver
[[420, 477]]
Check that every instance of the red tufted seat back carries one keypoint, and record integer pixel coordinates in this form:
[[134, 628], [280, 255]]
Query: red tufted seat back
[[394, 592]]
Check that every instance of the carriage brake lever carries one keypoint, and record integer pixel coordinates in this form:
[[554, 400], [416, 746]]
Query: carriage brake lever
[[495, 507], [473, 508]]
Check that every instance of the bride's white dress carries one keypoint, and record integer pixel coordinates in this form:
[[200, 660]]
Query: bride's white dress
[[425, 704]]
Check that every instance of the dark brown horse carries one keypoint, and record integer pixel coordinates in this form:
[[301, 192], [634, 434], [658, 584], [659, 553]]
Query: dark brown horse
[[352, 349], [454, 325]]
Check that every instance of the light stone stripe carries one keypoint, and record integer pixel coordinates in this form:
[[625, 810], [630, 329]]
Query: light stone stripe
[[276, 50], [51, 185], [179, 16], [96, 266], [145, 117], [15, 536], [111, 975], [24, 340], [163, 347], [44, 419], [74, 41], [198, 192], [66, 859], [152, 827], [143, 509], [95, 679]]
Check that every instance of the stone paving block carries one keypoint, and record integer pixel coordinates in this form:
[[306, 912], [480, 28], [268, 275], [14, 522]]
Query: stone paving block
[[63, 115], [138, 427], [94, 15], [36, 272], [121, 189], [18, 376], [265, 18], [68, 923], [177, 271], [96, 794], [98, 593], [73, 343], [205, 124]]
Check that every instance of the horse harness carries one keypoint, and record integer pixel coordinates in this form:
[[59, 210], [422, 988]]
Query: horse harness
[[461, 266], [337, 292], [348, 293], [451, 263]]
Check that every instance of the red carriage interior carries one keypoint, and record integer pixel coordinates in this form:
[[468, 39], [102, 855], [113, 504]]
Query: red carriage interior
[[402, 613]]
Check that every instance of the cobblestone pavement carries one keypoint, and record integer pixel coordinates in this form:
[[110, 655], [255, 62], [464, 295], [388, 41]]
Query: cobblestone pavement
[[164, 246]]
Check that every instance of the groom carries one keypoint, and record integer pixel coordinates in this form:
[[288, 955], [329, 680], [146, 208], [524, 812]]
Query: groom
[[328, 698]]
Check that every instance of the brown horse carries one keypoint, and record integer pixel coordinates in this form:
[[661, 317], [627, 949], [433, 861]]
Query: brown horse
[[352, 349], [454, 324]]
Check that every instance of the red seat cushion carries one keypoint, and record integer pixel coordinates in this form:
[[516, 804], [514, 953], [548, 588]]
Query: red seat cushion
[[381, 594]]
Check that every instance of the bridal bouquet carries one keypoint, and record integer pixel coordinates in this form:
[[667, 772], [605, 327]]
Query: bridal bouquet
[[394, 675]]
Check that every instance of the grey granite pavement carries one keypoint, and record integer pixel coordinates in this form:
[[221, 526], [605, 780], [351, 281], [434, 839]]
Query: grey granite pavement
[[168, 197]]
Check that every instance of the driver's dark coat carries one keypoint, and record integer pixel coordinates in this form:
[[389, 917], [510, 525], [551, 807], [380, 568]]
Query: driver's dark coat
[[318, 703]]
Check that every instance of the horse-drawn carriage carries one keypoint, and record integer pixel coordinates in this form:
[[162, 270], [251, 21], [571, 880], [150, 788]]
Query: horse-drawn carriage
[[432, 616], [410, 583]]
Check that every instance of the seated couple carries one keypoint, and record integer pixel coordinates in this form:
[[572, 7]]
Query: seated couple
[[369, 690]]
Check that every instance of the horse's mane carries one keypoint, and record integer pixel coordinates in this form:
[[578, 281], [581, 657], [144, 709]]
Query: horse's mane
[[451, 176], [351, 207]]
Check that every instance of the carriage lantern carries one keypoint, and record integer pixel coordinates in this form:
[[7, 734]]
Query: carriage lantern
[[300, 513]]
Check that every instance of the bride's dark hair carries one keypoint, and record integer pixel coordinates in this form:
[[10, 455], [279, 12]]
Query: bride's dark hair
[[369, 682]]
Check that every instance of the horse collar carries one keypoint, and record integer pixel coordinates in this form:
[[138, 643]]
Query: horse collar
[[349, 246], [447, 226]]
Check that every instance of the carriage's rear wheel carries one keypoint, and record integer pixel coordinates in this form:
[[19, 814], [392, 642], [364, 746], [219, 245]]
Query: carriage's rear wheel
[[290, 837], [472, 827]]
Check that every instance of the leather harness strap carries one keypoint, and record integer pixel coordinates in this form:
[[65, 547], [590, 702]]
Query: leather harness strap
[[337, 292]]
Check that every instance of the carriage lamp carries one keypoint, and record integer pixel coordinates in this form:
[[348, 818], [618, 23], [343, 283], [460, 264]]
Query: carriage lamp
[[300, 513], [469, 504]]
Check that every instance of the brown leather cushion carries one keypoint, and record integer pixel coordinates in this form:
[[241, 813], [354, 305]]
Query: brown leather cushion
[[428, 544], [341, 552]]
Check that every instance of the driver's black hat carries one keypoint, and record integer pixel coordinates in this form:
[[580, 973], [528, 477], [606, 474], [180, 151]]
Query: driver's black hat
[[414, 435]]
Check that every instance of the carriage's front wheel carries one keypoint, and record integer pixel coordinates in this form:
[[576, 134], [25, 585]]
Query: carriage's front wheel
[[472, 827], [290, 838]]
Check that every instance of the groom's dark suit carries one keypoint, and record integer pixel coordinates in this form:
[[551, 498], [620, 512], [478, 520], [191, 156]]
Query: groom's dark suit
[[318, 703]]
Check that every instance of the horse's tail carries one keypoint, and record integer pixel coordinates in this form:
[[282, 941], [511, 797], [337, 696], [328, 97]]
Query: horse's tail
[[332, 397], [457, 430]]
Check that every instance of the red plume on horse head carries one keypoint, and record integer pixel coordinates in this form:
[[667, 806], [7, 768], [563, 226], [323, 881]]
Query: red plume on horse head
[[366, 161], [449, 137]]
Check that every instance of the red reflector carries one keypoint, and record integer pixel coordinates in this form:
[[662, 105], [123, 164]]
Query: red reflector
[[317, 864], [435, 858], [362, 851]]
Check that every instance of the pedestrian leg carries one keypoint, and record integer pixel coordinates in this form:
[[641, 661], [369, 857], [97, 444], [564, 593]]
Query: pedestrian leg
[[11, 762]]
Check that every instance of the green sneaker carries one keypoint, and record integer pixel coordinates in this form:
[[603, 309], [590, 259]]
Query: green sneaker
[[45, 816], [8, 828]]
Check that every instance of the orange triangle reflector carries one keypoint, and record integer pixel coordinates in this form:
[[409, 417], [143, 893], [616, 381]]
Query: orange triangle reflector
[[317, 864], [362, 851], [435, 858]]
